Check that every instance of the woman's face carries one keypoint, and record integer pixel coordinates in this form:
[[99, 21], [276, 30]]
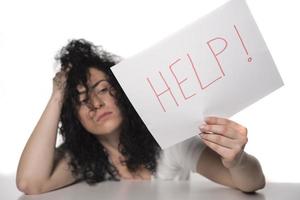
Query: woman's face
[[98, 111]]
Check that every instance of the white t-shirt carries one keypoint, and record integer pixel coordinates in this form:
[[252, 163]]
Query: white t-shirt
[[179, 160]]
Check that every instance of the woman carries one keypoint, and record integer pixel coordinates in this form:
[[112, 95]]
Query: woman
[[105, 139]]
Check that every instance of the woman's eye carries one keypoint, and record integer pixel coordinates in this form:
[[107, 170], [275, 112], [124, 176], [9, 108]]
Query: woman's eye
[[103, 90]]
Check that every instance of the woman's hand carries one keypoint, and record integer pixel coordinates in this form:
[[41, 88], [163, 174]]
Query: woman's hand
[[225, 137], [59, 82]]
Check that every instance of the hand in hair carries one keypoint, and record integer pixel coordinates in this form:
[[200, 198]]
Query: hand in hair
[[59, 83]]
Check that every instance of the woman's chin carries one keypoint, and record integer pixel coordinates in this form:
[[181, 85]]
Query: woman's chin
[[107, 128]]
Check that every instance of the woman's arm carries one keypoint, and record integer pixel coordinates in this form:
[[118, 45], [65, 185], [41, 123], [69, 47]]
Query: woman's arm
[[36, 171], [224, 160], [246, 176]]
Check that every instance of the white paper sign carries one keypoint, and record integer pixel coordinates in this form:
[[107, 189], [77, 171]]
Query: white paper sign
[[216, 66]]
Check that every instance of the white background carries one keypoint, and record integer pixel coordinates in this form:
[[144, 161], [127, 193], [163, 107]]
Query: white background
[[31, 33]]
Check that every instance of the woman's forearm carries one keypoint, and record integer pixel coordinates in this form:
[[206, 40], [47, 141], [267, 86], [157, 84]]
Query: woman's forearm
[[247, 175]]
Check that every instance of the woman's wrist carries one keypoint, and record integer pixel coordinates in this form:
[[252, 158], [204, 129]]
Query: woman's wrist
[[242, 160], [57, 97], [239, 162]]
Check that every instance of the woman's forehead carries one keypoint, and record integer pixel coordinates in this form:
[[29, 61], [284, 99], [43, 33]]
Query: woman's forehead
[[95, 76]]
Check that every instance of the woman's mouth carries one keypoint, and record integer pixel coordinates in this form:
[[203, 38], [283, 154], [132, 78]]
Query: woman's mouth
[[103, 116]]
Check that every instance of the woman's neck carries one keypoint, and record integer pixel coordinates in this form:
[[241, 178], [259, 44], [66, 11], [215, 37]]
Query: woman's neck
[[111, 143]]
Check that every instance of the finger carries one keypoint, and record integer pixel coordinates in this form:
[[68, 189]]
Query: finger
[[60, 76], [222, 151], [220, 140], [69, 68], [220, 121], [224, 130], [224, 121]]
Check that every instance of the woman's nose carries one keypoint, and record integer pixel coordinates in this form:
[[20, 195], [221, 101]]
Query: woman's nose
[[96, 101]]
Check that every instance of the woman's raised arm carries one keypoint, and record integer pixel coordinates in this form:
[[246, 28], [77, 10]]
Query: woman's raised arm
[[36, 171]]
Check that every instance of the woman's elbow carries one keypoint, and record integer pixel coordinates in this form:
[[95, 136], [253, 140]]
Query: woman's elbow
[[254, 187], [28, 188]]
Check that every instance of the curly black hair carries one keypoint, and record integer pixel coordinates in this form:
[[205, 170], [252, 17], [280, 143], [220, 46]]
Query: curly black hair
[[88, 158]]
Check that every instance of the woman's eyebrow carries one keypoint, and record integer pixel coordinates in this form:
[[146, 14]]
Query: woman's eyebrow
[[95, 85]]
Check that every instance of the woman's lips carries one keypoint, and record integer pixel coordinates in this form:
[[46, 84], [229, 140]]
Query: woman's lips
[[102, 116]]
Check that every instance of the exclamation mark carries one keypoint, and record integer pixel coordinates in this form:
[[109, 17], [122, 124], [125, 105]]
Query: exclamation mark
[[249, 58]]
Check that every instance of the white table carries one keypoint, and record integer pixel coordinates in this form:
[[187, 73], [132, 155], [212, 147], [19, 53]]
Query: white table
[[144, 190]]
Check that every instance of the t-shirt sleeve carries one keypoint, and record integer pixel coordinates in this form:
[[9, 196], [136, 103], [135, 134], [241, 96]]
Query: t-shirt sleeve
[[189, 152], [177, 161]]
